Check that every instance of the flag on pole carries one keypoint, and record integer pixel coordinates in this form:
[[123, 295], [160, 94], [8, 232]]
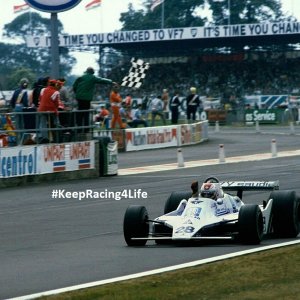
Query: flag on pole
[[20, 8], [156, 3], [93, 4]]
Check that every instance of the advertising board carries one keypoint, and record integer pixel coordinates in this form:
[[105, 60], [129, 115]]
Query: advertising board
[[48, 158], [151, 138]]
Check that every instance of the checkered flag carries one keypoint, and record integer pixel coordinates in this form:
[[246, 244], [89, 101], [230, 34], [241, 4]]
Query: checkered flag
[[136, 74]]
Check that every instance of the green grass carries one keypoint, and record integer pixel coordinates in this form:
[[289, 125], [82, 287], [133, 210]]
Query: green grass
[[273, 274]]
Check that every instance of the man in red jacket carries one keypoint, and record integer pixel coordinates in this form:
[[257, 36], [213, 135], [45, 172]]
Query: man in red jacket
[[49, 103], [49, 97]]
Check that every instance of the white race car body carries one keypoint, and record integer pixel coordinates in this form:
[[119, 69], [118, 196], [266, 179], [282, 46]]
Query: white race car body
[[197, 213], [199, 218]]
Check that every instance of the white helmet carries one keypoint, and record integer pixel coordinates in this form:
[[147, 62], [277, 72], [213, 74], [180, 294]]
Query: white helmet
[[211, 190]]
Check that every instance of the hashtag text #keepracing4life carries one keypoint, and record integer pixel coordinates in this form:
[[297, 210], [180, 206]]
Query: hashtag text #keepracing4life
[[106, 194]]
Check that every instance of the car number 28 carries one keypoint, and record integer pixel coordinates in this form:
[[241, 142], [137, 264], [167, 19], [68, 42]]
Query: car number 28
[[185, 229]]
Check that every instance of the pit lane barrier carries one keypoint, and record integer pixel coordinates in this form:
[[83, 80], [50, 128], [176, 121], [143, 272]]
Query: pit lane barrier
[[222, 151], [217, 126], [180, 160], [274, 148], [221, 154], [207, 162], [257, 127]]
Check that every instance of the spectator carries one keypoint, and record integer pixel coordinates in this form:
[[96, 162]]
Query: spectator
[[115, 102], [156, 107], [125, 114], [175, 103], [192, 102], [20, 97], [37, 87], [84, 90], [165, 99], [128, 100], [64, 94], [145, 103], [64, 117], [19, 101], [103, 116], [49, 102], [137, 118]]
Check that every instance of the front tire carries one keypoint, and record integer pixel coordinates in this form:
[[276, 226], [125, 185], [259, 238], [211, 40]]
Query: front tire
[[250, 224], [135, 225], [285, 214]]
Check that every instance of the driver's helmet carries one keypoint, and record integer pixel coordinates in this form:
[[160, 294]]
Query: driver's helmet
[[211, 190]]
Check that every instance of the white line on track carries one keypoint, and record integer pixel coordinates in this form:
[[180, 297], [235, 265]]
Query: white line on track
[[156, 271]]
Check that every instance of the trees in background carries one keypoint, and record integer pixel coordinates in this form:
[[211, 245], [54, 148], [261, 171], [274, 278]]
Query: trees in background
[[245, 11], [176, 14], [190, 13], [187, 13], [17, 58]]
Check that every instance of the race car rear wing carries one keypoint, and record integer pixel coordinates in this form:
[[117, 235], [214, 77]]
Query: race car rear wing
[[241, 186]]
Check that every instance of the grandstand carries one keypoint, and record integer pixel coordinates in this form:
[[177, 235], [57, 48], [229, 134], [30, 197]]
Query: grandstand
[[226, 67]]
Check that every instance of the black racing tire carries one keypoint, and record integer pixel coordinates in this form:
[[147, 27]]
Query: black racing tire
[[166, 232], [250, 224], [174, 200], [135, 224], [285, 214]]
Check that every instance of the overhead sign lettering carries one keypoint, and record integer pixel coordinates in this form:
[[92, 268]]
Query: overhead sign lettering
[[168, 34]]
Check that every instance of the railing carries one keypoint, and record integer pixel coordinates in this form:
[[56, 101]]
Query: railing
[[31, 127]]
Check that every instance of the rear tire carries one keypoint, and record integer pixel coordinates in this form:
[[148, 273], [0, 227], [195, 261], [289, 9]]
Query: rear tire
[[250, 224], [285, 214], [174, 200], [135, 225]]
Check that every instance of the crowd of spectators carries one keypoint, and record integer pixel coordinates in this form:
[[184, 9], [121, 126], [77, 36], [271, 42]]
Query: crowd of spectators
[[226, 78], [217, 78]]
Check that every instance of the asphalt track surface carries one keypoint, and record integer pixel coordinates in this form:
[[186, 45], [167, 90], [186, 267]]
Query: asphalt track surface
[[50, 243]]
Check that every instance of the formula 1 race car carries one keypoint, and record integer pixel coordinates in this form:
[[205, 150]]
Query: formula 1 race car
[[188, 218]]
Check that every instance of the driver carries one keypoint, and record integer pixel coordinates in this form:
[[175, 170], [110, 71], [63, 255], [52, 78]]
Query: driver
[[211, 190]]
